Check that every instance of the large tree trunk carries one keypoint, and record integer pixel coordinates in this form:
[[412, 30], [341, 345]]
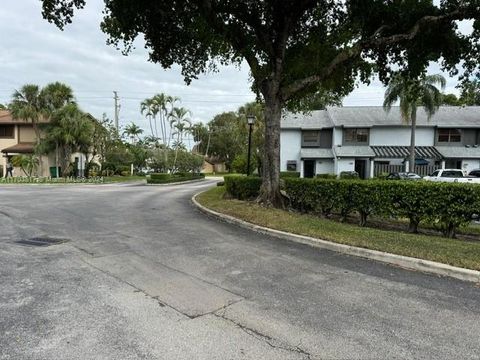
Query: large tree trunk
[[270, 191], [411, 161]]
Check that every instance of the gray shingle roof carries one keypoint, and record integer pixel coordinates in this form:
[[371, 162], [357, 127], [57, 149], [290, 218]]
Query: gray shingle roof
[[316, 153], [354, 151], [318, 119], [446, 116], [459, 152], [368, 116]]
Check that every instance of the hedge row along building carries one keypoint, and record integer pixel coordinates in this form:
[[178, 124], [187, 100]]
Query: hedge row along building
[[370, 141]]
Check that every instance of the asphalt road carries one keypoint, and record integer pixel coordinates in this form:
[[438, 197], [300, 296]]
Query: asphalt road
[[144, 275]]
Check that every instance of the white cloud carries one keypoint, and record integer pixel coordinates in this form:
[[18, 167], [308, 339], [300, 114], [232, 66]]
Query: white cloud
[[34, 51]]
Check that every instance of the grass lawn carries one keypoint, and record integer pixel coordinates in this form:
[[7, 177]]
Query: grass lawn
[[454, 252]]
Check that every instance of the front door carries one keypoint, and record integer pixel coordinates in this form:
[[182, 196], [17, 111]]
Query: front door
[[360, 167], [309, 168]]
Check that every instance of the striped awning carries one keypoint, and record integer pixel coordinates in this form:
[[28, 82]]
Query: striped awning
[[402, 152]]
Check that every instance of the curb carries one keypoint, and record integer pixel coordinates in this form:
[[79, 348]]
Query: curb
[[177, 182], [410, 263]]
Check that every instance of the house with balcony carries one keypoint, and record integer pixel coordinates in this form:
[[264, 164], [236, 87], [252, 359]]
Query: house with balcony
[[370, 141]]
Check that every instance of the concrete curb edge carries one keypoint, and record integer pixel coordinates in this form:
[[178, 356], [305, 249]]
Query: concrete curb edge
[[393, 259], [177, 182]]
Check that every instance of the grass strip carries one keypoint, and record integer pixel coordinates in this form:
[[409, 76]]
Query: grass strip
[[465, 254]]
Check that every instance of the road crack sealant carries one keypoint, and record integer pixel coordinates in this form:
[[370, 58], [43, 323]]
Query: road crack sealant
[[270, 341]]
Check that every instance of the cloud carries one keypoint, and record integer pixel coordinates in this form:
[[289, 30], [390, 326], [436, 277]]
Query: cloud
[[34, 51]]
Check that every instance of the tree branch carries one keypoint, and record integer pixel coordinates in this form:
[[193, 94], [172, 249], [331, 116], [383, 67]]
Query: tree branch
[[374, 41]]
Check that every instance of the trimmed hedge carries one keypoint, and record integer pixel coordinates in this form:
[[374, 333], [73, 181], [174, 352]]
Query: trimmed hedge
[[447, 205], [289, 174], [159, 178], [326, 176], [242, 187]]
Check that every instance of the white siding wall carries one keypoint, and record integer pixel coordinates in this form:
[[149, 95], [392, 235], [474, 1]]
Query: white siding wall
[[345, 165], [400, 136], [324, 166], [337, 136], [290, 146]]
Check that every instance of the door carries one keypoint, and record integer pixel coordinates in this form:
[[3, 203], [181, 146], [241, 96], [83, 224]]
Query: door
[[309, 168], [360, 167]]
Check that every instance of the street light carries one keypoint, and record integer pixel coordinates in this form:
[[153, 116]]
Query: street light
[[250, 121]]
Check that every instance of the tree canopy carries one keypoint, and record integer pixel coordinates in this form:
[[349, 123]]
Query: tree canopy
[[293, 48]]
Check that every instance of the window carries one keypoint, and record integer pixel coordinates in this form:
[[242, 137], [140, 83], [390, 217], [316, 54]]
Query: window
[[291, 165], [6, 131], [449, 135], [452, 174], [310, 138], [356, 136]]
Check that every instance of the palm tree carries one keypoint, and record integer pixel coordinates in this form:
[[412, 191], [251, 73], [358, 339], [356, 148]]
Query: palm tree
[[180, 122], [414, 92], [147, 108], [133, 131], [31, 104], [70, 130], [27, 105], [164, 106], [55, 96]]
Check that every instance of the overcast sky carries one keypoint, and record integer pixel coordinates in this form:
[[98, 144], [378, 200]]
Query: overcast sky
[[34, 51]]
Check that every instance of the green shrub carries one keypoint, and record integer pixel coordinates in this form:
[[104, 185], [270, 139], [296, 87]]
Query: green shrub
[[125, 173], [349, 175], [161, 178], [326, 176], [447, 205], [454, 206], [289, 174], [242, 187]]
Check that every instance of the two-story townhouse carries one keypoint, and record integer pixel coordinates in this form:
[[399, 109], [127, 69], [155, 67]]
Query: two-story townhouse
[[370, 141], [18, 137]]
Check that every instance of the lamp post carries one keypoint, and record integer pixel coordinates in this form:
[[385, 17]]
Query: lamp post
[[250, 121]]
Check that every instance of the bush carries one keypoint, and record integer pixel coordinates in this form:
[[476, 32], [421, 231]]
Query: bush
[[125, 173], [242, 187], [326, 176], [289, 174], [447, 205], [349, 175], [160, 178]]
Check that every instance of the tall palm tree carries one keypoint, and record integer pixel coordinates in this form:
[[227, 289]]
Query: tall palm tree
[[133, 131], [27, 105], [147, 108], [55, 96], [180, 122], [414, 92], [164, 106]]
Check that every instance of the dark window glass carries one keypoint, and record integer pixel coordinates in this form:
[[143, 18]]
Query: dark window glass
[[356, 135], [449, 135], [6, 131], [311, 138]]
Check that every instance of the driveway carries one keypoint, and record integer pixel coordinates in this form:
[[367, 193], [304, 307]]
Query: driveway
[[144, 275]]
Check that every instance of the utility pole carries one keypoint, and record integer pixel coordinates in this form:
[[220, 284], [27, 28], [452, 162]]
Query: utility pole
[[117, 109]]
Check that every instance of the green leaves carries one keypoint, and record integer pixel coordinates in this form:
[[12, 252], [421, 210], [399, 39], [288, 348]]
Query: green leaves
[[242, 187], [446, 205]]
